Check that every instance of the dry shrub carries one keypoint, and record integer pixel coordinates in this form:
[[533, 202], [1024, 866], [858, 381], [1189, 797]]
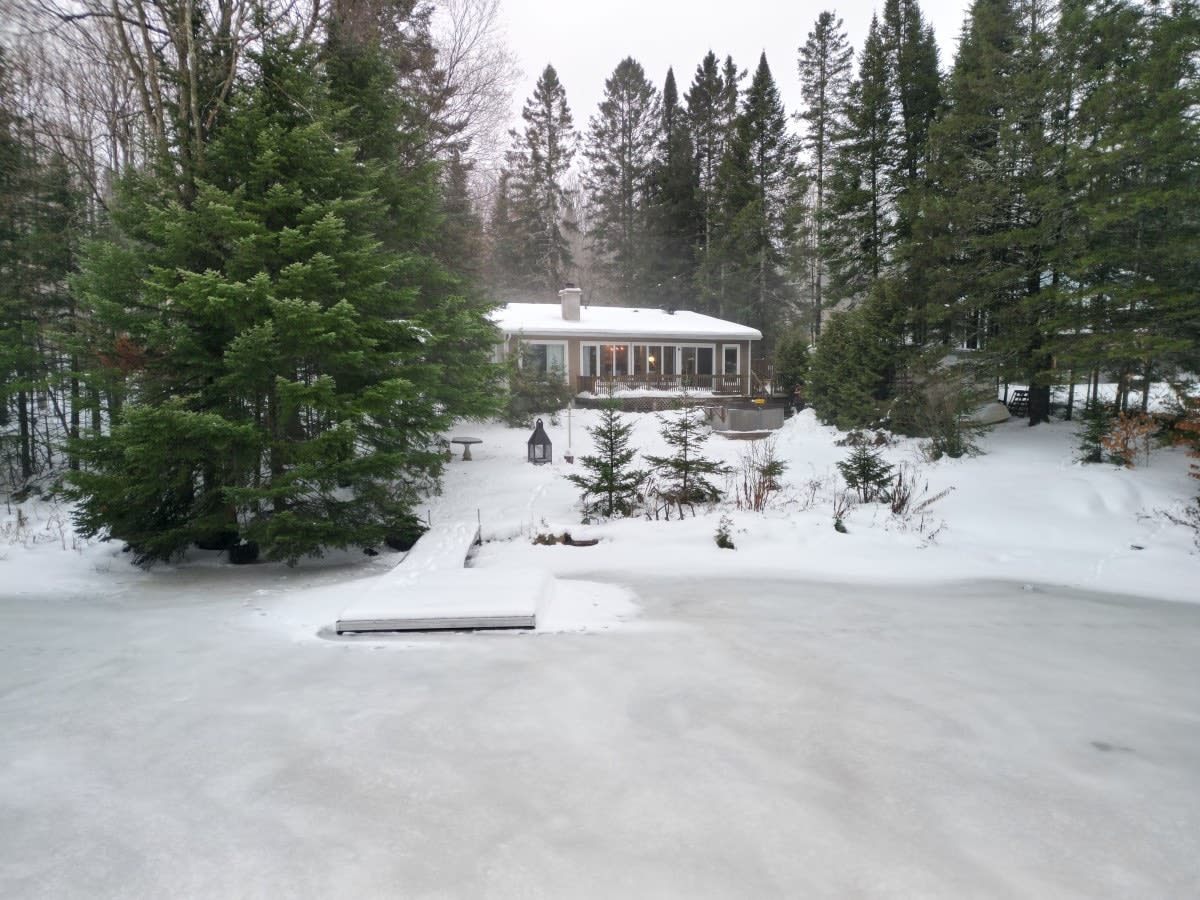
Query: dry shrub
[[843, 502], [757, 478], [1128, 435], [1186, 429]]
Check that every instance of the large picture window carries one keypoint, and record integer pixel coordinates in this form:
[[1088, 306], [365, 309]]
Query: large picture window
[[545, 357], [608, 360]]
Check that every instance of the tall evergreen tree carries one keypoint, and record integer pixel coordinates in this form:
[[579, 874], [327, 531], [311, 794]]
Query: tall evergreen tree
[[990, 219], [711, 108], [676, 215], [915, 90], [1134, 172], [756, 185], [504, 243], [862, 205], [916, 94], [623, 138], [38, 233], [17, 331], [824, 63], [538, 165], [460, 243]]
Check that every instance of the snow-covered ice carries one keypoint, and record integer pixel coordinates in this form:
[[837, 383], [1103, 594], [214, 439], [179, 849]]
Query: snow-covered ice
[[1008, 709]]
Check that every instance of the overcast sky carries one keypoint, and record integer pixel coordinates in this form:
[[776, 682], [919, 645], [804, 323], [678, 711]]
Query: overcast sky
[[585, 41]]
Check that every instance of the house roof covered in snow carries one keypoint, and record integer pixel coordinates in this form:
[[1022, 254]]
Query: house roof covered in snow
[[546, 319]]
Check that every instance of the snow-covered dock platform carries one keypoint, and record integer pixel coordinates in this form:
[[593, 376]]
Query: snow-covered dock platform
[[462, 600], [431, 590]]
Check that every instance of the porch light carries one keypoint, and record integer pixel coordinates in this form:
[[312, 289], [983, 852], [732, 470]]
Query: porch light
[[540, 448]]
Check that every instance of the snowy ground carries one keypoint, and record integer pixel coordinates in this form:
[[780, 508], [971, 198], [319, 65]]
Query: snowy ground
[[1009, 709]]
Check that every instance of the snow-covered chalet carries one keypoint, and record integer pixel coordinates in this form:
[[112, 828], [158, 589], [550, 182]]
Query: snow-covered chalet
[[619, 348]]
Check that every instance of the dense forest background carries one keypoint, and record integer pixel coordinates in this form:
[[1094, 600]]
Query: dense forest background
[[248, 247]]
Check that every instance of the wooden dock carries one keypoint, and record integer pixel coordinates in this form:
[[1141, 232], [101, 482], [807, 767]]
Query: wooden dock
[[432, 590]]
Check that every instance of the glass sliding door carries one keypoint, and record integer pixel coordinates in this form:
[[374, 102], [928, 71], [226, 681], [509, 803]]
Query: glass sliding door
[[640, 360], [696, 365], [660, 359]]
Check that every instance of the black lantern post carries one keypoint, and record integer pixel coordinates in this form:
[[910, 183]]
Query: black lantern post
[[540, 448]]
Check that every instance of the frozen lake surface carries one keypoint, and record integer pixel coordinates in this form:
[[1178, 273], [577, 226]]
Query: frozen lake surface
[[735, 738]]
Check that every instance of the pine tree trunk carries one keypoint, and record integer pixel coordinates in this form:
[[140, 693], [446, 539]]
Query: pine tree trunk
[[1039, 403], [24, 440]]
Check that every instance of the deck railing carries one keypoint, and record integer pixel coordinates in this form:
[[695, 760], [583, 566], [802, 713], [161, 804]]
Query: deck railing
[[716, 384]]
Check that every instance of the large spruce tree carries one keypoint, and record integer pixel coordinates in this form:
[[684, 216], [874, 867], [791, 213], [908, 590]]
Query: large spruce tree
[[291, 355]]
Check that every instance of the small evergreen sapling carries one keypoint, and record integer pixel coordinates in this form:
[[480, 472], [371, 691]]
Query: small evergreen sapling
[[611, 486], [1094, 424], [684, 475], [867, 474], [723, 536]]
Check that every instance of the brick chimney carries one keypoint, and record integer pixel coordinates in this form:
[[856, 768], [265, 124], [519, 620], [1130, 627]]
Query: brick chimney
[[569, 296]]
